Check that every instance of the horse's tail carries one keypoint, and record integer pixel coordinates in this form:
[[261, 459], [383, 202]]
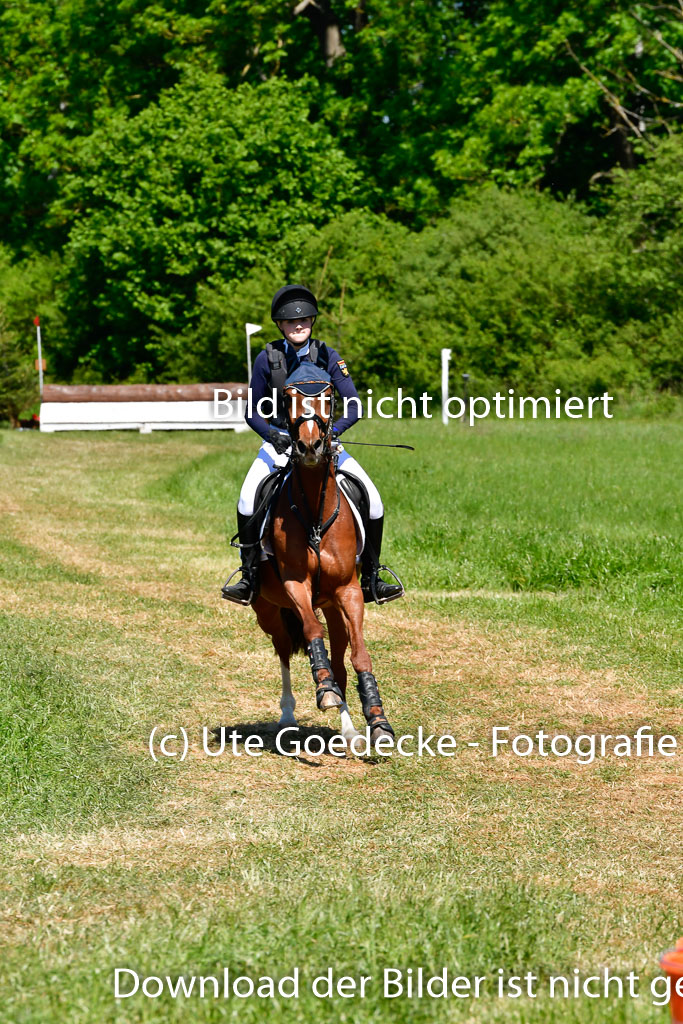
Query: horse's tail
[[295, 629]]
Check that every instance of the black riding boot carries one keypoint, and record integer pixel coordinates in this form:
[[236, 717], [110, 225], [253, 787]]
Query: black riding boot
[[374, 588], [246, 590]]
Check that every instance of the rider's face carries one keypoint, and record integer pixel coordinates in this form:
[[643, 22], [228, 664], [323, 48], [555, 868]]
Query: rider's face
[[297, 332]]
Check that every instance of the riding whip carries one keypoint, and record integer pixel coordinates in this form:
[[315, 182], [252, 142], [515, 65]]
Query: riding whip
[[376, 444]]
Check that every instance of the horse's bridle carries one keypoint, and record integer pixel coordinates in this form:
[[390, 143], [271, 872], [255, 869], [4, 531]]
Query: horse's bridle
[[314, 526], [325, 428]]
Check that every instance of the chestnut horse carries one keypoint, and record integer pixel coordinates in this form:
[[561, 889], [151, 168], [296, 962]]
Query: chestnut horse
[[312, 535]]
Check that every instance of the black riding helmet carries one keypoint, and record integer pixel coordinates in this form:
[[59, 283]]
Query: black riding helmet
[[293, 301]]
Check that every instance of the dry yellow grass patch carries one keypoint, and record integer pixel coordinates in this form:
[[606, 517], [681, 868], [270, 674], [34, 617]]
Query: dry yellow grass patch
[[129, 847]]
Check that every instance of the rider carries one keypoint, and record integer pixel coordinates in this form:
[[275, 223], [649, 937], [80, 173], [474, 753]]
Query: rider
[[294, 310]]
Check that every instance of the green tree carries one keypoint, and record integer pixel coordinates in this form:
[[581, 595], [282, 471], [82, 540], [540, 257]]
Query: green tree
[[172, 161], [425, 98], [350, 264], [18, 381], [528, 292], [63, 66], [207, 181], [644, 222], [431, 98]]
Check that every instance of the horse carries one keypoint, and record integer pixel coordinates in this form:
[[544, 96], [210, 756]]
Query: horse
[[312, 536]]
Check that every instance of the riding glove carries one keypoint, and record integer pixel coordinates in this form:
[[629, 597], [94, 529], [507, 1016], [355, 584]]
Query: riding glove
[[279, 440]]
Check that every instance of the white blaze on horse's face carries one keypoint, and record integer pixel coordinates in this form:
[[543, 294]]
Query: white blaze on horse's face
[[309, 417]]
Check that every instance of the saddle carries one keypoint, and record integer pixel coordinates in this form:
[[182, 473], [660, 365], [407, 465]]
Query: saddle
[[269, 491]]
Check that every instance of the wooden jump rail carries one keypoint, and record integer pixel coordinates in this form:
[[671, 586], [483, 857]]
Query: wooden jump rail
[[136, 392], [143, 407]]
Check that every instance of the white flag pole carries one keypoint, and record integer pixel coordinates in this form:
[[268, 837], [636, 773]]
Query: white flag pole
[[250, 329], [40, 356], [445, 360]]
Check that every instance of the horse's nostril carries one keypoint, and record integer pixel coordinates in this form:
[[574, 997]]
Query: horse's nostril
[[302, 447], [317, 445]]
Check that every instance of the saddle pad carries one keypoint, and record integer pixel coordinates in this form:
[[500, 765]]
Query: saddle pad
[[360, 529]]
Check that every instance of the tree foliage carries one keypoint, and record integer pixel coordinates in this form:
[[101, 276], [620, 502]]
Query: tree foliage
[[208, 181], [166, 164], [526, 291], [18, 384]]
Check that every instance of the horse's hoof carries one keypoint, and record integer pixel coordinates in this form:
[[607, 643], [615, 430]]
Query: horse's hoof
[[349, 737], [329, 700], [378, 734]]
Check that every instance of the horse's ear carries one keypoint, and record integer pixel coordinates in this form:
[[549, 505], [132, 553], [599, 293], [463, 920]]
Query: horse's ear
[[290, 397]]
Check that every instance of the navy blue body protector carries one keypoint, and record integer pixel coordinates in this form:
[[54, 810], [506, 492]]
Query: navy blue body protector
[[282, 362]]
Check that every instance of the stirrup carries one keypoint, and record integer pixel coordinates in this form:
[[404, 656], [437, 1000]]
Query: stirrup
[[373, 585], [237, 600]]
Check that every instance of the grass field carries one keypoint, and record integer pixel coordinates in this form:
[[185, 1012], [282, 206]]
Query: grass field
[[544, 567]]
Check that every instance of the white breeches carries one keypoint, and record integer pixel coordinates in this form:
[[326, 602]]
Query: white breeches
[[268, 460]]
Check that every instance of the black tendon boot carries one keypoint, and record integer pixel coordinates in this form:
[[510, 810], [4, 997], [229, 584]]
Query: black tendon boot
[[246, 590], [368, 692], [374, 588]]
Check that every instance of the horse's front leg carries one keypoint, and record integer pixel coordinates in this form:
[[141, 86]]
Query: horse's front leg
[[349, 600], [327, 693], [271, 622], [339, 641], [287, 701]]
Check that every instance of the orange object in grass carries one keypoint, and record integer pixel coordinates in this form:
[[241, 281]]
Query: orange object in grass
[[672, 963]]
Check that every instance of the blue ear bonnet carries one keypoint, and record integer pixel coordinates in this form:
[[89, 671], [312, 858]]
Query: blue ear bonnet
[[309, 379]]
